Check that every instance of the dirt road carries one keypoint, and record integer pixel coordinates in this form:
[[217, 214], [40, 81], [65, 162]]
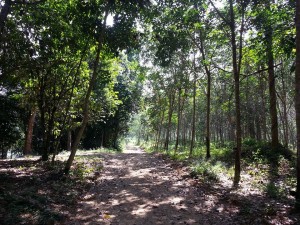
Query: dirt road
[[136, 188]]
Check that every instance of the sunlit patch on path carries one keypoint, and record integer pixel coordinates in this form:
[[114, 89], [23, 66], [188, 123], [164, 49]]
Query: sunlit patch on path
[[136, 188]]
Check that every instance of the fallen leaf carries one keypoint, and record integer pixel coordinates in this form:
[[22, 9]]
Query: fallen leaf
[[106, 216]]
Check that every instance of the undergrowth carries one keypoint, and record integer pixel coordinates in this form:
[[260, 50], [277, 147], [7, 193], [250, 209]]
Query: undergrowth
[[40, 199], [270, 170]]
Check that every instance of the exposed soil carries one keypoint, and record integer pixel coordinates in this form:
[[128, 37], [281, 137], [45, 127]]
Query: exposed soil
[[136, 188], [130, 188]]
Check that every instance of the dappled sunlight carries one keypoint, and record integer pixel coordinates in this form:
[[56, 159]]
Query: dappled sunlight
[[149, 191], [140, 188], [132, 149]]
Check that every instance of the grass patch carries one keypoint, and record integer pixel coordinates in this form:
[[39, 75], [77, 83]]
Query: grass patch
[[271, 171], [208, 170]]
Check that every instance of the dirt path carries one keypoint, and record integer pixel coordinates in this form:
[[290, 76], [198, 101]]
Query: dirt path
[[136, 188]]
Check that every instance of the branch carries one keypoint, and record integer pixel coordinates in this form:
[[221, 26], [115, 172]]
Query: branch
[[219, 68], [219, 13], [258, 71], [24, 2]]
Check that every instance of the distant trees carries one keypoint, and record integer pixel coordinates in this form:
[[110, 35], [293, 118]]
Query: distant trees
[[63, 71], [235, 89]]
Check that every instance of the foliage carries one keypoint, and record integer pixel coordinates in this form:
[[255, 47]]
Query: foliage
[[208, 170], [274, 191], [11, 124]]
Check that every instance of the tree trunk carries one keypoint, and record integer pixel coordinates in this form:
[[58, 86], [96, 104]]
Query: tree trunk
[[184, 131], [285, 114], [262, 106], [236, 74], [178, 120], [160, 128], [42, 109], [271, 78], [170, 113], [194, 118], [258, 126], [69, 144], [208, 74], [297, 100], [3, 15], [29, 132], [87, 98]]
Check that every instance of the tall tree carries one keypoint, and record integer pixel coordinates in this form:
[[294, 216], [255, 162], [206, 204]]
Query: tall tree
[[271, 73], [236, 69], [86, 106], [29, 132], [297, 99]]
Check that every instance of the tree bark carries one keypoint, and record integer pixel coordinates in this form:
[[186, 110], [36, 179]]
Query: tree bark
[[160, 128], [236, 74], [297, 100], [170, 113], [271, 78], [262, 110], [285, 121], [69, 140], [29, 132], [3, 15], [178, 120], [208, 94], [42, 109], [193, 119]]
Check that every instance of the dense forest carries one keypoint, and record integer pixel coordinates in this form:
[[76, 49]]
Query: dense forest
[[181, 76]]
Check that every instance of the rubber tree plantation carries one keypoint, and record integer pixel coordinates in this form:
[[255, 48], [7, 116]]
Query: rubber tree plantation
[[210, 87]]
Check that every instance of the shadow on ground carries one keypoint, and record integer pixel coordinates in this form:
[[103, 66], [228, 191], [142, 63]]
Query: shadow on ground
[[136, 188], [34, 192]]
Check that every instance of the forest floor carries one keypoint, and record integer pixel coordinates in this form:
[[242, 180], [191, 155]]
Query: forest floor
[[131, 188]]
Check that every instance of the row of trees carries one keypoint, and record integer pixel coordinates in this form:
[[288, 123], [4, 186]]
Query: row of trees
[[221, 72], [62, 67]]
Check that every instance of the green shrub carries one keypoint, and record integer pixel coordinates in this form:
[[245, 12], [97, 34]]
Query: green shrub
[[208, 169], [273, 191]]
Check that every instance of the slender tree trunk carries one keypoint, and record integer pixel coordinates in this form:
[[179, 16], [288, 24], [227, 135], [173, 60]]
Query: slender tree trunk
[[69, 144], [5, 10], [262, 106], [87, 98], [208, 116], [42, 109], [285, 114], [258, 126], [208, 94], [67, 119], [178, 120], [236, 73], [170, 113], [297, 100], [249, 130], [272, 89], [29, 132], [193, 119], [85, 112], [160, 128], [184, 131]]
